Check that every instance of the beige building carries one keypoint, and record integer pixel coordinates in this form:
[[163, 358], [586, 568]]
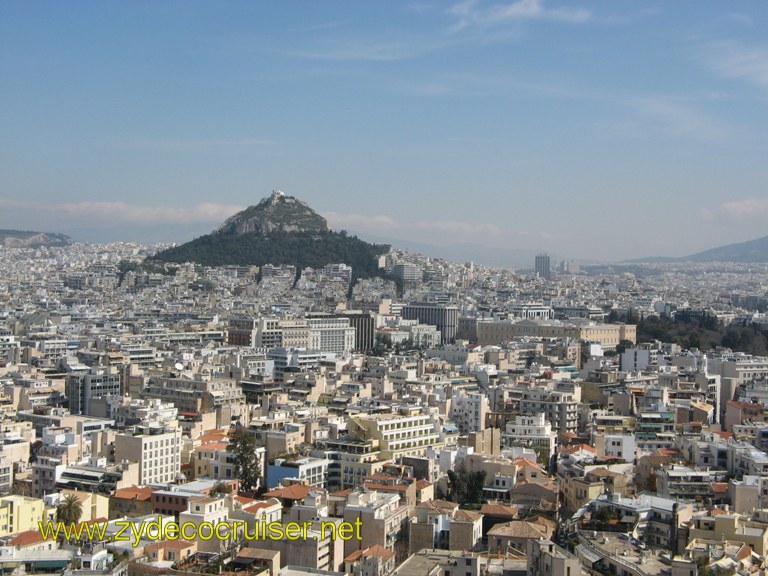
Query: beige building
[[318, 551], [383, 519], [518, 533], [719, 525], [212, 511], [607, 335], [439, 524], [579, 491], [93, 505], [373, 561], [158, 455], [410, 433], [22, 513]]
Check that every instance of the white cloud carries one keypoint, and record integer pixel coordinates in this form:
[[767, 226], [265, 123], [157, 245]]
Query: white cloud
[[738, 61], [680, 119], [360, 222], [123, 212], [748, 208], [433, 231], [470, 12]]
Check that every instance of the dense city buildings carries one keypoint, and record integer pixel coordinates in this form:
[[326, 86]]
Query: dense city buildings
[[510, 421]]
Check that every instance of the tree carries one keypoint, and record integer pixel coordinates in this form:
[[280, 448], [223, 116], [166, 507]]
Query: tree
[[466, 487], [221, 488], [242, 446], [622, 346], [69, 510]]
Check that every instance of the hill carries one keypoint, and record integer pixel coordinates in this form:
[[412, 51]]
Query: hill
[[278, 230], [752, 251], [29, 239]]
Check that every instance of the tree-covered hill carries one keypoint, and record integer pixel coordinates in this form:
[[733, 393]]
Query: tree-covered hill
[[278, 230], [302, 249]]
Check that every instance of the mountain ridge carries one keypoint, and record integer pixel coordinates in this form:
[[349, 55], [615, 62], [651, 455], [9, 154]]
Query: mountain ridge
[[749, 252], [31, 239]]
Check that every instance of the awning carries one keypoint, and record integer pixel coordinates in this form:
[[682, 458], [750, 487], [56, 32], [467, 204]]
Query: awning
[[49, 563], [587, 554]]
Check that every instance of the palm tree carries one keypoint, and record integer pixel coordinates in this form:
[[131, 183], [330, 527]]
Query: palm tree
[[69, 510]]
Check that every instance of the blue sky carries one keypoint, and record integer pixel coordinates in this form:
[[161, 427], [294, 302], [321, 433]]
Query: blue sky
[[591, 130]]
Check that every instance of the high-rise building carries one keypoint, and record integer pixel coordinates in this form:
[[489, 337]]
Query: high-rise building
[[365, 328], [542, 266], [444, 318], [82, 387]]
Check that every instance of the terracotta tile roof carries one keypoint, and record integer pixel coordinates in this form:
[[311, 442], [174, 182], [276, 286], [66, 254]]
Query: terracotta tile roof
[[385, 487], [27, 538], [499, 510], [442, 506], [293, 492], [466, 516], [421, 484], [142, 493], [375, 550], [170, 545], [520, 529], [260, 505], [346, 492], [212, 446]]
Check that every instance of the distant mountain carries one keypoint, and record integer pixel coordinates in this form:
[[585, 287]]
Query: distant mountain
[[752, 251], [278, 230], [29, 239]]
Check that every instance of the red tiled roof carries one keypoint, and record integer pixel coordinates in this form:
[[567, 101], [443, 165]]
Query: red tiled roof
[[385, 487], [375, 550], [346, 492], [293, 492], [142, 493], [258, 506], [26, 538]]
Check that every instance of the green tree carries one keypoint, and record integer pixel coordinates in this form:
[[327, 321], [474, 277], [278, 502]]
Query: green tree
[[622, 346], [69, 510], [242, 446], [221, 488], [466, 487]]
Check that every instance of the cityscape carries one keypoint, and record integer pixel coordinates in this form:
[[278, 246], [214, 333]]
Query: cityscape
[[471, 419], [476, 288]]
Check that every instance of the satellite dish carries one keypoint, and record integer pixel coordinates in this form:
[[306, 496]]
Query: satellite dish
[[179, 366]]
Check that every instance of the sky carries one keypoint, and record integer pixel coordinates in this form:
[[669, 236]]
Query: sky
[[588, 130]]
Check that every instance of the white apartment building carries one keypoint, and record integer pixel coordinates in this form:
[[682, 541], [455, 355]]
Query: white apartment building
[[558, 404], [158, 455], [292, 360], [330, 334], [532, 431], [621, 446], [468, 411], [309, 471]]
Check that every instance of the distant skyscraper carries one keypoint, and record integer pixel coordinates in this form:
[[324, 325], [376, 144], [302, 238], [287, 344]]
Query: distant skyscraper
[[543, 266]]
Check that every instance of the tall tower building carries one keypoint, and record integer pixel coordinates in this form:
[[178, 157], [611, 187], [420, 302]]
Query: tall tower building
[[543, 268]]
